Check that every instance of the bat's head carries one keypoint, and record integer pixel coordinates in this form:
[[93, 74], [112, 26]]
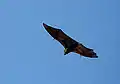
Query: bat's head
[[66, 51]]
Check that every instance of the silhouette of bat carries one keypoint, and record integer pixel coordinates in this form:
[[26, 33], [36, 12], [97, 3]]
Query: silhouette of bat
[[69, 44]]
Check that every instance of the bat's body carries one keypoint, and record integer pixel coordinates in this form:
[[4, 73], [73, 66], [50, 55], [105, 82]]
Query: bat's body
[[69, 44]]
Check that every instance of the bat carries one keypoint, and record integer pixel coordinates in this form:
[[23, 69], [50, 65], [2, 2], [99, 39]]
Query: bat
[[68, 43]]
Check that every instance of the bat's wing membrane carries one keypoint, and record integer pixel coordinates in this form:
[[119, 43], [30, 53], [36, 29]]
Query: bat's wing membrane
[[84, 51]]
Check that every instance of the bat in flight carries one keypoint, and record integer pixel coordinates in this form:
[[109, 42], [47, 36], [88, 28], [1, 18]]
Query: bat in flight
[[69, 44]]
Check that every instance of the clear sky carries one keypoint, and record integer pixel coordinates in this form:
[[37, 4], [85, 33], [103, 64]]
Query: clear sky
[[29, 55]]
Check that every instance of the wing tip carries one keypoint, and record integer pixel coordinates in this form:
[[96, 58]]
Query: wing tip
[[94, 56], [44, 24]]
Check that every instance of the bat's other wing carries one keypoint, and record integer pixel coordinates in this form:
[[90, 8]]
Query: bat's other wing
[[84, 51]]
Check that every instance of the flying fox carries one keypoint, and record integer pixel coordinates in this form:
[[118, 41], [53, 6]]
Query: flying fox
[[69, 44]]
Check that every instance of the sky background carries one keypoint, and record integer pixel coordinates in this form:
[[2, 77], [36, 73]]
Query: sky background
[[29, 55]]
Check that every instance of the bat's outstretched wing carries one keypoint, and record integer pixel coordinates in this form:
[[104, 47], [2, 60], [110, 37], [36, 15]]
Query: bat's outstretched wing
[[59, 35], [84, 51]]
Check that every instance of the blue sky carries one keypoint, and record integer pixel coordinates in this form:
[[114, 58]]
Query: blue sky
[[29, 55]]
